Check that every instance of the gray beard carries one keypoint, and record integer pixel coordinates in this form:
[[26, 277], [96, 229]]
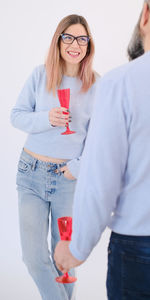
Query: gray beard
[[135, 48], [135, 51]]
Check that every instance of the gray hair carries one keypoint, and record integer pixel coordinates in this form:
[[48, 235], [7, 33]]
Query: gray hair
[[135, 47], [148, 2]]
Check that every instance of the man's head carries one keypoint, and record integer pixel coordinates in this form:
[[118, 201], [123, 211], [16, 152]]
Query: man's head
[[140, 41]]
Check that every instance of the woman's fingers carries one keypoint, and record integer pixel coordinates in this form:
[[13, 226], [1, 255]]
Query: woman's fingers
[[59, 116], [59, 121]]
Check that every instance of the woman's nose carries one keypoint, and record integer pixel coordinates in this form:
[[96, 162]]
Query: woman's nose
[[75, 42]]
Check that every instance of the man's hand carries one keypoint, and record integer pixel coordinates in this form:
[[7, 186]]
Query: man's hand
[[63, 257]]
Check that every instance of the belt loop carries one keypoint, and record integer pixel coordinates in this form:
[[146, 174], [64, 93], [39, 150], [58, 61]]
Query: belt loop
[[34, 165]]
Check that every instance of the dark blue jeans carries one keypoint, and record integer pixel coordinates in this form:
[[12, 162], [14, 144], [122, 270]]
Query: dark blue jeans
[[128, 276]]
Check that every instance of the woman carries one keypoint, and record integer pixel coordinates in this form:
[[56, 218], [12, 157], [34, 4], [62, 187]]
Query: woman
[[49, 163]]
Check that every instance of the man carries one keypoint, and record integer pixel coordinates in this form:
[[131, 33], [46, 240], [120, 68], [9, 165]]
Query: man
[[113, 188]]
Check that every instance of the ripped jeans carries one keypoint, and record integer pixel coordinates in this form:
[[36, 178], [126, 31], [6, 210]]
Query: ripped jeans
[[43, 196]]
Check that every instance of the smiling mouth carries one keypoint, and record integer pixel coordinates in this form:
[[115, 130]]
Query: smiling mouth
[[73, 54]]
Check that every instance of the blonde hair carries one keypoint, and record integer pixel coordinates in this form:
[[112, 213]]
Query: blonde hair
[[55, 64]]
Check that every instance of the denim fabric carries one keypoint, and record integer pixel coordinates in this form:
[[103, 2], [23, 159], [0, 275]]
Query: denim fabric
[[43, 196], [128, 276]]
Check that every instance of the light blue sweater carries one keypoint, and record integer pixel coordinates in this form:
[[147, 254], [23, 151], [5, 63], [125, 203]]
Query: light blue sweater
[[31, 114], [113, 187]]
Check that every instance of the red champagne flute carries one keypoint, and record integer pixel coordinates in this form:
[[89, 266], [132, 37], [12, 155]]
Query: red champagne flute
[[65, 230], [64, 99]]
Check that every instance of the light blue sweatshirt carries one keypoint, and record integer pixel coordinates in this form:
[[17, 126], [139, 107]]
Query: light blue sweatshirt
[[31, 114], [113, 187]]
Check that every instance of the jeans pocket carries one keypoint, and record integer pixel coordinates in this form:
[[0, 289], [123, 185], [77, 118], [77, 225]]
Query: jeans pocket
[[136, 276], [23, 166], [24, 174]]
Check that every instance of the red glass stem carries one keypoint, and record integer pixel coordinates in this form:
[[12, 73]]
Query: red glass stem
[[66, 275]]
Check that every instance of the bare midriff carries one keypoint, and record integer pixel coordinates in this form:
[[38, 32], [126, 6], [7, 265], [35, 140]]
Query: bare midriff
[[45, 158]]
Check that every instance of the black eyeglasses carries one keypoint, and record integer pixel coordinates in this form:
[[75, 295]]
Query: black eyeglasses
[[82, 40]]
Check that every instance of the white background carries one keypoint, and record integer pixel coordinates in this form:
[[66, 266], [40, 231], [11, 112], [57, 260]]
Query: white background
[[26, 29]]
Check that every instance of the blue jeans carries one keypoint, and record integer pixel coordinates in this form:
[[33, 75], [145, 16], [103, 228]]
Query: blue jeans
[[44, 196], [128, 276]]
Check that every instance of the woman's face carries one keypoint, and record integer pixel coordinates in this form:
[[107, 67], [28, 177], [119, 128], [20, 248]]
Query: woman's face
[[73, 53]]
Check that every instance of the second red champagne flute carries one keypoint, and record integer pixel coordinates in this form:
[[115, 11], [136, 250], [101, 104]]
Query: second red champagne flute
[[65, 230]]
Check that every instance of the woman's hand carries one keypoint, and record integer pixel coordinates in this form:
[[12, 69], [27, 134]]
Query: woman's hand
[[67, 173], [58, 118]]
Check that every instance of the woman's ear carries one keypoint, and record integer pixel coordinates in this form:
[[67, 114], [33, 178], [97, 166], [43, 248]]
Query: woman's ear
[[144, 18]]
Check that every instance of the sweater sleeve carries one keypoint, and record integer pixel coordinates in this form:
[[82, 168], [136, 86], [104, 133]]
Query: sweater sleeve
[[102, 168], [23, 115], [74, 166]]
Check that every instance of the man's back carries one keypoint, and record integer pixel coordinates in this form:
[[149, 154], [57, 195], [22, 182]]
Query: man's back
[[131, 215], [114, 179]]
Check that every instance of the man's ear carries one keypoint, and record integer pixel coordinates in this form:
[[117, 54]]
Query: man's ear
[[144, 18]]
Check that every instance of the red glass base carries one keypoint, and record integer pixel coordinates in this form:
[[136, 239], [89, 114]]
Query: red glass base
[[66, 279], [68, 132]]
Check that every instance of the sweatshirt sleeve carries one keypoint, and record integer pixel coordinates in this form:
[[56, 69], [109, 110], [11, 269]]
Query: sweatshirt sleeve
[[23, 115], [74, 166], [102, 168]]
